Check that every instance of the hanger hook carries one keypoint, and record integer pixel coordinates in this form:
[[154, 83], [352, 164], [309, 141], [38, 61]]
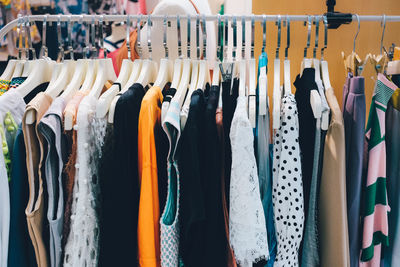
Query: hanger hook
[[383, 23], [358, 30], [219, 30], [252, 37], [93, 36], [60, 40], [317, 19], [86, 50], [325, 36], [278, 23], [44, 50], [149, 36], [225, 38], [178, 27], [204, 37], [264, 27], [128, 43], [19, 37], [188, 36], [165, 36], [287, 24], [198, 36], [234, 26], [28, 25], [101, 25], [243, 37], [69, 30], [308, 24], [138, 40]]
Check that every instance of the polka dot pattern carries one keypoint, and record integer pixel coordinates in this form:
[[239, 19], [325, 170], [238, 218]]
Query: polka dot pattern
[[287, 193]]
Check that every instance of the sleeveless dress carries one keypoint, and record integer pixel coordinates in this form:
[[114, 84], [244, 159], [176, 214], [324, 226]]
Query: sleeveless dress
[[169, 223]]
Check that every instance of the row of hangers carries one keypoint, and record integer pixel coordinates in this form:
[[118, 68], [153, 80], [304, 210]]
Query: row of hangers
[[89, 75], [353, 62]]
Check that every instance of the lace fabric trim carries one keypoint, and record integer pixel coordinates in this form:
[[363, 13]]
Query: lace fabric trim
[[247, 227]]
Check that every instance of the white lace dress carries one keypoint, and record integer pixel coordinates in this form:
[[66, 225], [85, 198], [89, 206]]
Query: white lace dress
[[82, 247], [247, 228], [287, 186]]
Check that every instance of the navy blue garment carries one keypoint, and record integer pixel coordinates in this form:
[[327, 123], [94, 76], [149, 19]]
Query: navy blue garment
[[20, 248]]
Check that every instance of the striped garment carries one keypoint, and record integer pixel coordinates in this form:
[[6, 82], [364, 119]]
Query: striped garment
[[376, 207]]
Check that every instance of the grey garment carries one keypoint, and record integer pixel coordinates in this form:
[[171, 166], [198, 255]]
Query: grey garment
[[392, 252], [265, 180], [346, 87], [354, 128], [50, 127], [310, 252]]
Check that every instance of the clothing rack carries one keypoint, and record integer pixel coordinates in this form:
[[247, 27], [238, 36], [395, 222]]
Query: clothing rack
[[119, 18]]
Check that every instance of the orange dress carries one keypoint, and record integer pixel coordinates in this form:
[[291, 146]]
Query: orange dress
[[149, 210]]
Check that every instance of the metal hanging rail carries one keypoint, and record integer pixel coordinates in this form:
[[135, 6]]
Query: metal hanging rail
[[119, 18]]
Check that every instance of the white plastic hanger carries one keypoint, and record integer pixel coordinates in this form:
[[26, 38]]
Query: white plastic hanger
[[105, 70], [8, 72], [186, 71], [107, 97], [226, 66], [68, 66], [216, 71], [324, 63], [41, 73], [242, 62], [276, 97], [83, 77], [136, 67], [286, 64], [178, 62], [79, 73], [149, 67], [252, 76], [315, 98], [307, 62], [262, 79], [193, 79], [92, 63], [165, 70], [204, 71], [316, 62], [19, 65]]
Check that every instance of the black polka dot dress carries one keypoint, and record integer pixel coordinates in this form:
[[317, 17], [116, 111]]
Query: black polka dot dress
[[287, 194]]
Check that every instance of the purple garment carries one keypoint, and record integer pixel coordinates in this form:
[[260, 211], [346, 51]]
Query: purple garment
[[346, 90], [354, 126]]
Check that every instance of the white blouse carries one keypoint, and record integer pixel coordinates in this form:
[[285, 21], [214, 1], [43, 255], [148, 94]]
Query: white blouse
[[287, 193], [247, 229], [82, 247]]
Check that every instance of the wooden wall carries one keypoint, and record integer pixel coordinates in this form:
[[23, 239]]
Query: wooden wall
[[339, 40]]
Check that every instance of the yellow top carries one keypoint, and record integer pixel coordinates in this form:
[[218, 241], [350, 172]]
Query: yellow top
[[149, 209]]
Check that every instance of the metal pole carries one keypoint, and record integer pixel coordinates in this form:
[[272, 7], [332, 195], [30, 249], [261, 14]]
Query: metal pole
[[119, 18]]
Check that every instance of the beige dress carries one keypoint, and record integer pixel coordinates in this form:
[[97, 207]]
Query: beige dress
[[35, 213], [332, 198]]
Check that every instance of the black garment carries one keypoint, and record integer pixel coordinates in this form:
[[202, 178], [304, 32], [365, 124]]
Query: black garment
[[307, 123], [20, 248], [229, 97], [40, 88], [192, 198], [121, 193], [216, 239], [168, 94], [396, 79]]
